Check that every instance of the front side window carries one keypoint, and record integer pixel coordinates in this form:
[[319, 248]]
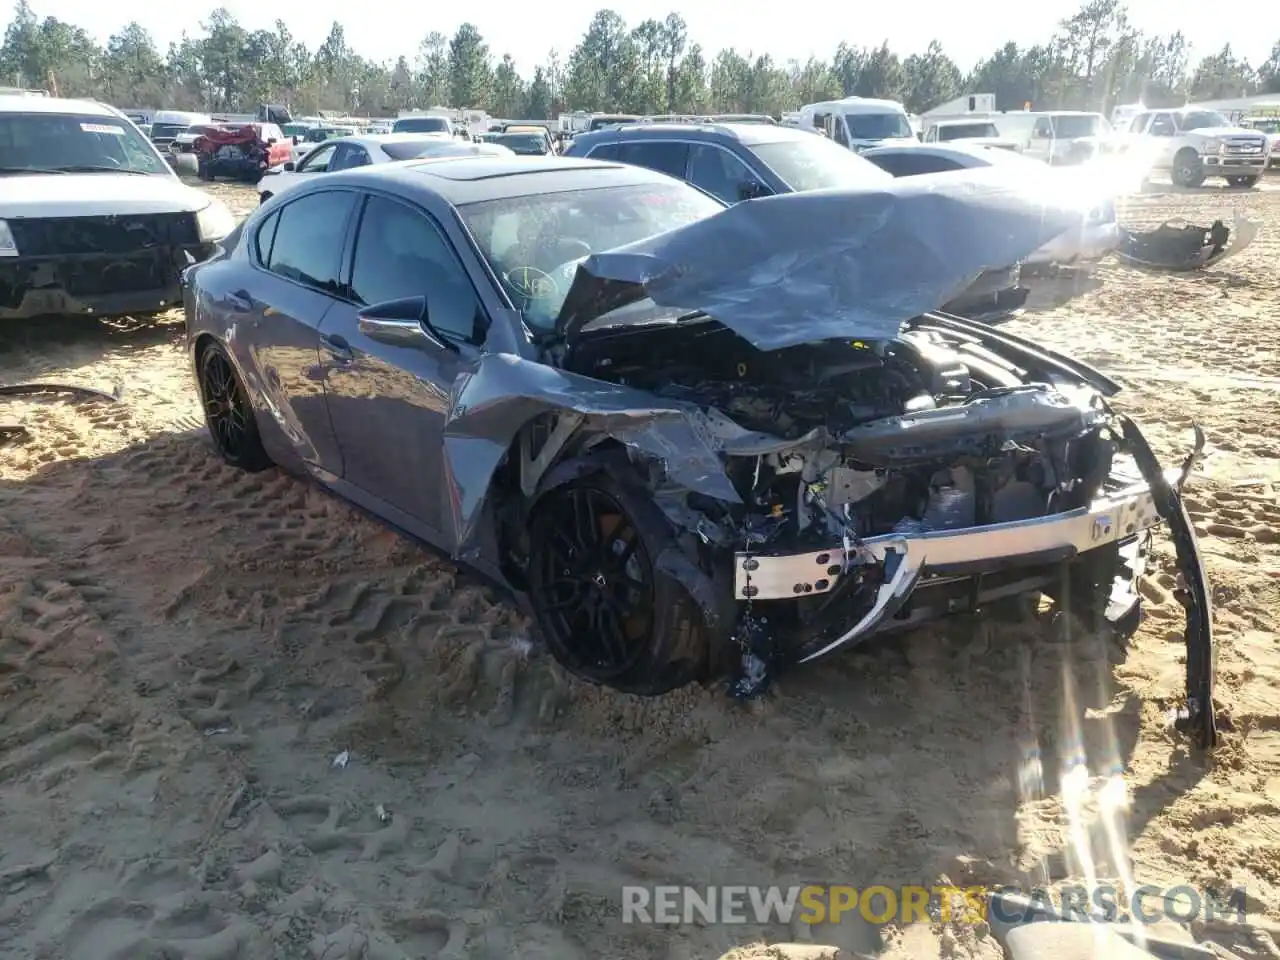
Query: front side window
[[718, 172], [400, 253], [815, 163], [307, 247], [35, 142], [1162, 125], [534, 243], [318, 160]]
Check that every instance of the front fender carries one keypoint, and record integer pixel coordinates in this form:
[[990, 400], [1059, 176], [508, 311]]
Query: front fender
[[490, 406]]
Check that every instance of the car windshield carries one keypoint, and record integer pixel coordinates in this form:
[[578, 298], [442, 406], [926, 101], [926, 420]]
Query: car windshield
[[534, 243], [1201, 120], [526, 143], [62, 141], [1079, 125], [878, 126], [295, 129], [422, 125], [962, 131], [815, 163]]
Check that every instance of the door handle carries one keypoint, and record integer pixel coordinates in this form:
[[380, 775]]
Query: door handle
[[240, 301], [338, 348]]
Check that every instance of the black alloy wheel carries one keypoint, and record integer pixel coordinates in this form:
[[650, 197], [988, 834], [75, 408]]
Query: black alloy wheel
[[591, 582], [228, 413]]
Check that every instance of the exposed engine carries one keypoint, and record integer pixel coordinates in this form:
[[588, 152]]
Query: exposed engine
[[921, 433]]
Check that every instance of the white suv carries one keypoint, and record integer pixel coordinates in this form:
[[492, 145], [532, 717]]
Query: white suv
[[92, 219]]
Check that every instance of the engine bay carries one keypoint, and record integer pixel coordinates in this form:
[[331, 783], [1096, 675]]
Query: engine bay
[[923, 432]]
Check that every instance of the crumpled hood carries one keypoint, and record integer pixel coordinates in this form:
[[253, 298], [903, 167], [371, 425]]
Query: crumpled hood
[[95, 195], [828, 264]]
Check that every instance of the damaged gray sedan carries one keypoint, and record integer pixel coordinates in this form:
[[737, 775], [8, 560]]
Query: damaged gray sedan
[[699, 442]]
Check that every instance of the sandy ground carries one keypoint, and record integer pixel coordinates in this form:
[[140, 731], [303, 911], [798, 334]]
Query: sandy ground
[[184, 650]]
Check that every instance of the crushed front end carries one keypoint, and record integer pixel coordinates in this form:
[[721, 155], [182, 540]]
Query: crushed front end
[[884, 484], [98, 265]]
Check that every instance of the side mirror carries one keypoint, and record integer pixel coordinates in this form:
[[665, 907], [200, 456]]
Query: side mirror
[[401, 323], [289, 166], [271, 141], [751, 190]]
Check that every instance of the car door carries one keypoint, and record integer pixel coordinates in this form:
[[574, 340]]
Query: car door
[[297, 255], [388, 400]]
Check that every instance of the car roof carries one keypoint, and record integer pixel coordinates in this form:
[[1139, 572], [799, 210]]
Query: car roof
[[19, 103], [747, 133], [470, 179]]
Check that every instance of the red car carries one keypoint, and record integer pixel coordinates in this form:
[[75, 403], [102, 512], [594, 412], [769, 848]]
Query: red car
[[241, 151]]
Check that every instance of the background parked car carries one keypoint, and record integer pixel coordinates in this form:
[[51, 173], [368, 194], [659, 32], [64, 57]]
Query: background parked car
[[94, 221], [741, 161], [442, 126], [346, 153], [240, 151], [1101, 232], [525, 143]]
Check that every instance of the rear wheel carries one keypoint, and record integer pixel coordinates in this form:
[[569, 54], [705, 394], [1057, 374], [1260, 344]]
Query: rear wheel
[[609, 611], [228, 413]]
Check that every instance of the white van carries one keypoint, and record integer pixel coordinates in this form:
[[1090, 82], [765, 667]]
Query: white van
[[859, 122], [1055, 136]]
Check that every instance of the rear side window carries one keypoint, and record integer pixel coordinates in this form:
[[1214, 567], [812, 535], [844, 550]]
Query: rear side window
[[307, 248], [665, 157], [606, 151], [264, 238]]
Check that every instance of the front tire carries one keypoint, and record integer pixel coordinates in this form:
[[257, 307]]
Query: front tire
[[1242, 182], [1187, 170], [610, 611], [228, 413]]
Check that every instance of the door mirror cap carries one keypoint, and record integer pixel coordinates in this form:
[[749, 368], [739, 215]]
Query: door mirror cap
[[289, 166], [752, 189], [404, 322]]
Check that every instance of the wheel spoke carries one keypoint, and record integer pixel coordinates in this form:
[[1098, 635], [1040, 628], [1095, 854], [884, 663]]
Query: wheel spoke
[[598, 612]]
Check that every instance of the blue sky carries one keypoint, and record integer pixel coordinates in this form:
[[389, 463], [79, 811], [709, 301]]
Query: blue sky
[[527, 30]]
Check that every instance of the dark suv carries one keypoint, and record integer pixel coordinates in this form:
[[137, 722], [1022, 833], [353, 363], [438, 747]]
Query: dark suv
[[732, 161], [742, 161]]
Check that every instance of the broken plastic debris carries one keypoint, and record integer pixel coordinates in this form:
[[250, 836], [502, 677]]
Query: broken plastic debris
[[342, 759], [384, 815], [213, 732]]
